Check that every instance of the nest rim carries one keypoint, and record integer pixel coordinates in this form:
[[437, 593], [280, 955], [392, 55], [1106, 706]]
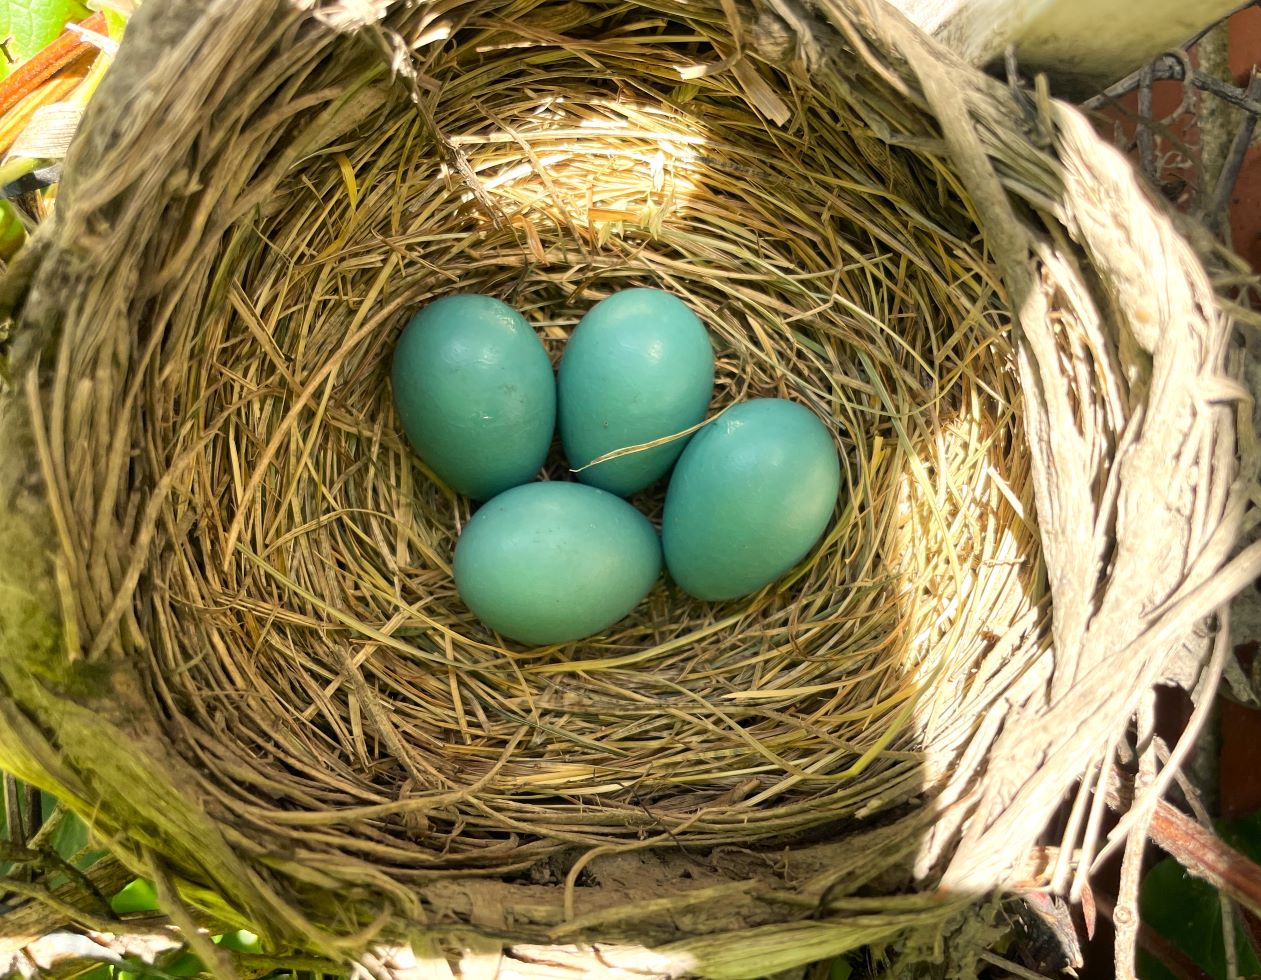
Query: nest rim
[[353, 863]]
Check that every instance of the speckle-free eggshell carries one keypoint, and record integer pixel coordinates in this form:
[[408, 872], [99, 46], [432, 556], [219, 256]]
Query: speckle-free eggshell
[[750, 496], [476, 394], [638, 367], [551, 562]]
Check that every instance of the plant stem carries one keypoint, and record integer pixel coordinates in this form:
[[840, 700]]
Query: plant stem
[[11, 171]]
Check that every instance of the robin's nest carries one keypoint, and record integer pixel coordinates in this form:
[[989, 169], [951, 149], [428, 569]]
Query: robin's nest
[[233, 639]]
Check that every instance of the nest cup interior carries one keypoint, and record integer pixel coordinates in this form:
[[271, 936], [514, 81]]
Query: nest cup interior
[[307, 647]]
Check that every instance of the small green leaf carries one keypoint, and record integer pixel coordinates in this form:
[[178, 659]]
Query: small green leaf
[[115, 24], [137, 896], [184, 965], [143, 972], [71, 837], [841, 969], [176, 963], [29, 25], [240, 941]]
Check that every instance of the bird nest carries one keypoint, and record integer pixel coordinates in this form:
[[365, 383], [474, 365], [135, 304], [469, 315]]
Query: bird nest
[[237, 648]]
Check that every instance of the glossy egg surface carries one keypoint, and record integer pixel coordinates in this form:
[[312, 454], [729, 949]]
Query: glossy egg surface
[[638, 367], [551, 562], [475, 393], [751, 495]]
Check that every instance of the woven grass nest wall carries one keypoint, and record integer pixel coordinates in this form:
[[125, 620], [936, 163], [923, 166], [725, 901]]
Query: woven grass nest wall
[[231, 638]]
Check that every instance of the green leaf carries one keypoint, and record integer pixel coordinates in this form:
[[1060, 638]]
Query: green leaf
[[71, 837], [136, 896], [176, 963], [115, 24], [841, 969], [1186, 910], [241, 941], [31, 24], [184, 965]]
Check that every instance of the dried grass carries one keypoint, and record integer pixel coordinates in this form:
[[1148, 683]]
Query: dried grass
[[312, 611], [241, 528]]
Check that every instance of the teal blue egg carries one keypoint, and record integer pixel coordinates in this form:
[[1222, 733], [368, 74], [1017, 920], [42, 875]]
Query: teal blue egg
[[751, 495], [475, 392], [638, 367], [551, 562]]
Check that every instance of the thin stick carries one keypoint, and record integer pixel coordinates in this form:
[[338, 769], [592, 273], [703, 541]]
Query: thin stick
[[32, 811], [1229, 908], [1171, 69], [1015, 969], [14, 824], [1169, 955], [1127, 902], [217, 960], [1219, 211], [1202, 853], [1146, 137]]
